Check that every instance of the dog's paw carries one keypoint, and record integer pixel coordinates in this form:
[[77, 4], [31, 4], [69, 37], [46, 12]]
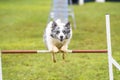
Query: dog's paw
[[64, 49], [54, 49]]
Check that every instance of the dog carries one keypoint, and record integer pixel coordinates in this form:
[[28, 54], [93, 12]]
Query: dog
[[57, 36]]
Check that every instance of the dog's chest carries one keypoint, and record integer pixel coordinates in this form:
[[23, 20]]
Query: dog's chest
[[57, 43]]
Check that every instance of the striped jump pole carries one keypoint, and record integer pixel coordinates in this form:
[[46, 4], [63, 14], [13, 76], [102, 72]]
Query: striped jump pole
[[46, 51]]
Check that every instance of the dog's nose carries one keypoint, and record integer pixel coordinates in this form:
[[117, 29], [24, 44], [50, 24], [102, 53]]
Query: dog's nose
[[61, 37]]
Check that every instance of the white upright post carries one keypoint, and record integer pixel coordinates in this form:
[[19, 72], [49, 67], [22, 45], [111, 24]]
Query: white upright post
[[81, 2], [0, 67], [109, 47], [100, 1]]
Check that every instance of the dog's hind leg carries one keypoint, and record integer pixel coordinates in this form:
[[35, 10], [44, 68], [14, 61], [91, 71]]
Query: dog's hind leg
[[63, 55], [64, 51], [53, 57], [53, 49]]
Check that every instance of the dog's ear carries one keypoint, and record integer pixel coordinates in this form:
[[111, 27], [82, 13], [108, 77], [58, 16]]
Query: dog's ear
[[54, 24], [67, 25]]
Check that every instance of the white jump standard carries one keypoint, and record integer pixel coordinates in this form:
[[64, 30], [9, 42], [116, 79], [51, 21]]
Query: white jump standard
[[110, 58]]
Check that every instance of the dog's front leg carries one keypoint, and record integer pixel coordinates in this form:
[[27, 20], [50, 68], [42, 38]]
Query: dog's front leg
[[64, 50], [53, 49]]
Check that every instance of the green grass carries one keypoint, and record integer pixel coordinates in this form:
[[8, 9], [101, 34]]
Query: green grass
[[22, 24]]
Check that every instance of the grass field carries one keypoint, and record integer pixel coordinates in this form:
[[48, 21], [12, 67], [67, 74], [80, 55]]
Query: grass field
[[22, 24]]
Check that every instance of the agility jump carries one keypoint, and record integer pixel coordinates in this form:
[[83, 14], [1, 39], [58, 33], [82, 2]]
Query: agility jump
[[111, 60], [46, 51]]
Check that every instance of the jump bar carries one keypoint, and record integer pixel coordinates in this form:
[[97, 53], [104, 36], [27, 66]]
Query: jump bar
[[89, 51], [46, 51]]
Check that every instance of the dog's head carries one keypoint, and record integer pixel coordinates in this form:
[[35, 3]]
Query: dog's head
[[61, 31]]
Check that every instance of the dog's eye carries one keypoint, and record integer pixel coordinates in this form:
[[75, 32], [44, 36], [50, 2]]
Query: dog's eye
[[64, 32], [57, 32]]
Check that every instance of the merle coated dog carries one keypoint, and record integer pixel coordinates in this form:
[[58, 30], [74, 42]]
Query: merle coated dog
[[57, 37]]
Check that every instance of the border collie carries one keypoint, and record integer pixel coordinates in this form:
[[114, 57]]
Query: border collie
[[57, 37]]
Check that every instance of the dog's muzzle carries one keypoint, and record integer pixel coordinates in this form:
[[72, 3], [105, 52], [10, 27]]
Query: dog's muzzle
[[61, 38]]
